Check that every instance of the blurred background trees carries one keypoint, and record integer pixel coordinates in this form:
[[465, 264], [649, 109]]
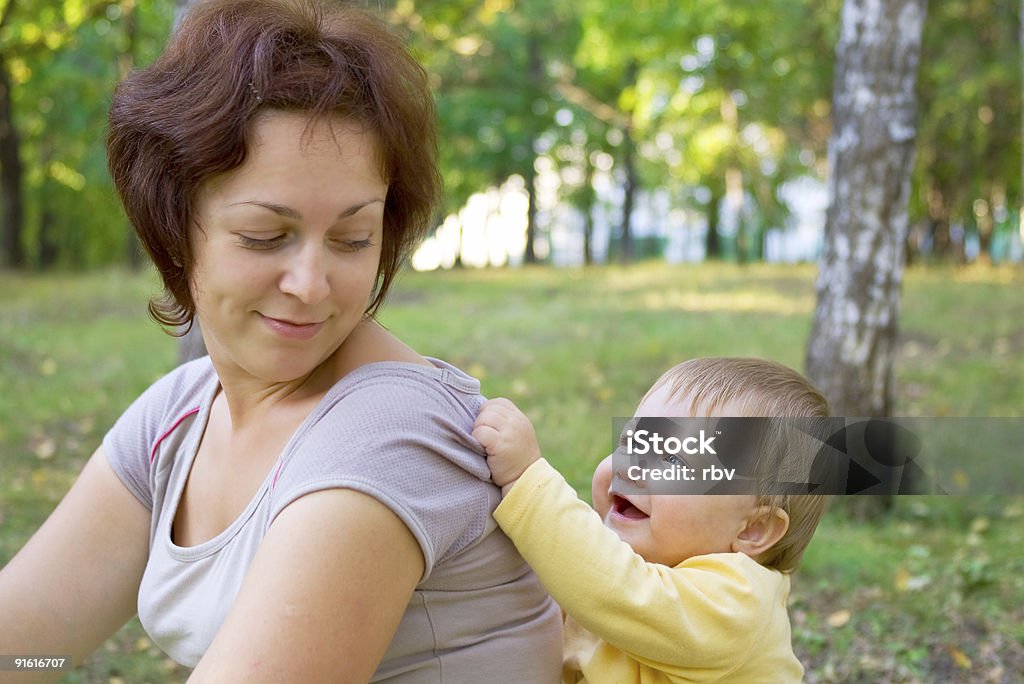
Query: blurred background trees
[[59, 61], [683, 129]]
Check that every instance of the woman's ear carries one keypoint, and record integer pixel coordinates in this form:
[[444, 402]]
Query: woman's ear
[[764, 528]]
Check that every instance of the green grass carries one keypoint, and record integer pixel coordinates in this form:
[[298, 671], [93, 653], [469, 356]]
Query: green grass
[[930, 593]]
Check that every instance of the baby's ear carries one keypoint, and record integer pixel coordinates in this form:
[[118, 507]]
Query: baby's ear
[[765, 527]]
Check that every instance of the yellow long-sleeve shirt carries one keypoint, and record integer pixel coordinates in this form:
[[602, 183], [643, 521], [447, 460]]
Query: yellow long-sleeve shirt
[[713, 618]]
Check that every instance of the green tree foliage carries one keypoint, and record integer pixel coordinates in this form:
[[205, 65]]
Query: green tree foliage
[[679, 95], [64, 58], [491, 62], [969, 140], [718, 104]]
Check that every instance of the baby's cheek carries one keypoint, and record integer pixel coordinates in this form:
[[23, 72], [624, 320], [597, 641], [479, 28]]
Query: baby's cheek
[[600, 485]]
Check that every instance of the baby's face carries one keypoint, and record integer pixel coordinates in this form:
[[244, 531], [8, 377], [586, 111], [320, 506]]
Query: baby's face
[[668, 528]]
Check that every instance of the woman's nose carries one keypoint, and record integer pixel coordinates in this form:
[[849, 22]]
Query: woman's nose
[[305, 276]]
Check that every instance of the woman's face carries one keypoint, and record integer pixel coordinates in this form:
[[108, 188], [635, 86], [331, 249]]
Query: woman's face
[[287, 246]]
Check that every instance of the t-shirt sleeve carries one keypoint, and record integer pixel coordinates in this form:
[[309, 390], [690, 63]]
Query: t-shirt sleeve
[[406, 441], [129, 445]]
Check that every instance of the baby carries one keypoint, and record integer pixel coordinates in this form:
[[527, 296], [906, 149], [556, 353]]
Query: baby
[[670, 588]]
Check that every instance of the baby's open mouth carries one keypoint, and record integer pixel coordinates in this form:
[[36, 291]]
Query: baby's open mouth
[[624, 508]]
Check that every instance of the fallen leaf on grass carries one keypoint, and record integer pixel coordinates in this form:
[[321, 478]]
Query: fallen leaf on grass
[[45, 448], [85, 425], [960, 658], [838, 618], [904, 581]]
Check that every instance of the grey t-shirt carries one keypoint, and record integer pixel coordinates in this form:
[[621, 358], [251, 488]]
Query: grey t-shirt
[[398, 432]]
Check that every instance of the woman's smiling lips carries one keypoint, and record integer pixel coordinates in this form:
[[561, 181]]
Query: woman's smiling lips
[[291, 329]]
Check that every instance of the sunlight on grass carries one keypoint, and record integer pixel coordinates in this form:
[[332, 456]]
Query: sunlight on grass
[[1006, 274], [743, 301]]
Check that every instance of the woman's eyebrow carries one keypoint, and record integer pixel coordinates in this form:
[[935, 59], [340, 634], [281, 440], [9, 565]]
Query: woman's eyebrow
[[278, 209], [288, 212], [355, 208]]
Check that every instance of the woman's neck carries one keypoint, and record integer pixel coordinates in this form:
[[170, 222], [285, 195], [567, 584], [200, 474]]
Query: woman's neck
[[250, 399]]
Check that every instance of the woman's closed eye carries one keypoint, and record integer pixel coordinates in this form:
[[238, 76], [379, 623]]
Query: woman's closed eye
[[352, 245], [266, 243], [260, 243]]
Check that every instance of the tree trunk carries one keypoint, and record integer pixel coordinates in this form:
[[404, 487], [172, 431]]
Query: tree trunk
[[530, 252], [47, 249], [734, 195], [853, 336], [629, 195], [735, 199], [712, 245], [588, 212], [631, 183], [11, 172], [535, 65]]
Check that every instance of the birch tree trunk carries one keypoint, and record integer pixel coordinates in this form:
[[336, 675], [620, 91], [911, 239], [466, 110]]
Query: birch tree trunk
[[871, 148]]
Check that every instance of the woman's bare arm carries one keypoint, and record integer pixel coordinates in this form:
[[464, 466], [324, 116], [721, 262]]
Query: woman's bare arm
[[76, 581], [322, 598]]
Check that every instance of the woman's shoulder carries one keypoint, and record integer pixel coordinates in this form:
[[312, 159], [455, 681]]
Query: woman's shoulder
[[131, 443], [398, 392], [179, 391], [183, 381], [422, 412], [373, 363], [434, 372], [401, 433]]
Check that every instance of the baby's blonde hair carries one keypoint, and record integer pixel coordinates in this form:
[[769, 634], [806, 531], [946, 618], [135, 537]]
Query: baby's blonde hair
[[750, 387]]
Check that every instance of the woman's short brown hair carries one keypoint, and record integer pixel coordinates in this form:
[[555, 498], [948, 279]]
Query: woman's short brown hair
[[750, 387], [185, 119]]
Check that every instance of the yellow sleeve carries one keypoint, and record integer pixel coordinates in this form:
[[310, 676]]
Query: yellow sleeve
[[705, 613]]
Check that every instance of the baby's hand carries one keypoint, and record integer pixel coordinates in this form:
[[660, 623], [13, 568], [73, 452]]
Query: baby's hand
[[508, 438]]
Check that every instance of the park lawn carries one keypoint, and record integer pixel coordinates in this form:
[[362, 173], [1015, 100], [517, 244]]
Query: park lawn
[[931, 592]]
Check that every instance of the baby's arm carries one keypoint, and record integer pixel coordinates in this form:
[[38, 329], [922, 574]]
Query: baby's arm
[[508, 437], [703, 616], [669, 618]]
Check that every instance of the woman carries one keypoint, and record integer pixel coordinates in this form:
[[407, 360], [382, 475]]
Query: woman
[[307, 503]]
